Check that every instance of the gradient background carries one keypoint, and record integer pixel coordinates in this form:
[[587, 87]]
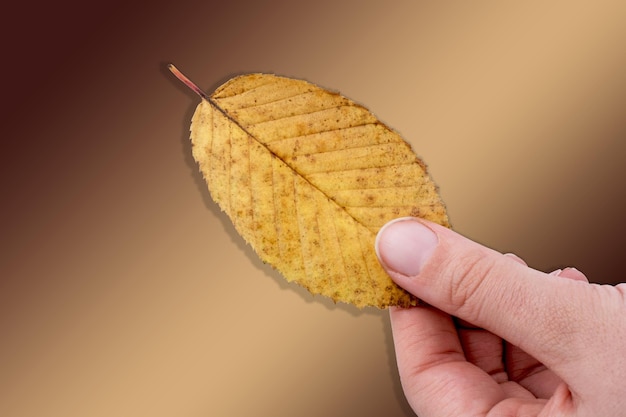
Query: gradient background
[[124, 291]]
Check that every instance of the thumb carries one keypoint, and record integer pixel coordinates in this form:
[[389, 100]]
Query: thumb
[[528, 308]]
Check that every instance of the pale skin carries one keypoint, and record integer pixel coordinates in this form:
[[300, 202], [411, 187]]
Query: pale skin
[[497, 338]]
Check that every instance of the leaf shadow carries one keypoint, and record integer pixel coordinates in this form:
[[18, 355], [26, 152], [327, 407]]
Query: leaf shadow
[[214, 209]]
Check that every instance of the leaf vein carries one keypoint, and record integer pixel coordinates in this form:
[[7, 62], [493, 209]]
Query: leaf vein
[[339, 129], [393, 187], [243, 92], [273, 101], [390, 164], [348, 148], [291, 116]]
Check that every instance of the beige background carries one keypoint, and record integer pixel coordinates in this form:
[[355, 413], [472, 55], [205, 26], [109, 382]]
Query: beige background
[[124, 291]]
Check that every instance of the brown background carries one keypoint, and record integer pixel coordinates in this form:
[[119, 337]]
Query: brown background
[[124, 291]]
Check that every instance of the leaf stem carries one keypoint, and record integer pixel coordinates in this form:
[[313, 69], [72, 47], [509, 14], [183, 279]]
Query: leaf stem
[[187, 82]]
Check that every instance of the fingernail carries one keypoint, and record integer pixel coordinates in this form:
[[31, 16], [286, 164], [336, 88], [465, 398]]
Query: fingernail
[[404, 246], [556, 272]]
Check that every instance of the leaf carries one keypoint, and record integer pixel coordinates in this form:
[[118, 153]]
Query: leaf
[[308, 177]]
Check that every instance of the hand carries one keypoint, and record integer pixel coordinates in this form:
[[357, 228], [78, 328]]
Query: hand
[[497, 338]]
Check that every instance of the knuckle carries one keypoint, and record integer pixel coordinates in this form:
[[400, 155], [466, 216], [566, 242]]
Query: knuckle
[[470, 281], [621, 290]]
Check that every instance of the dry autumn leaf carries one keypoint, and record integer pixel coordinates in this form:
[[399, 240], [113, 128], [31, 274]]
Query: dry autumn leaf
[[308, 177]]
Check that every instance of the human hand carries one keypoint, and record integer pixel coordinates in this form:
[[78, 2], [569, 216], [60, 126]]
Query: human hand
[[497, 338]]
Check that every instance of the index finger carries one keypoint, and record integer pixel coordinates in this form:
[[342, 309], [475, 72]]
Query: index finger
[[436, 378]]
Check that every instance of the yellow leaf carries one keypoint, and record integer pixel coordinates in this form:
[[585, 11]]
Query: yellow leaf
[[308, 177]]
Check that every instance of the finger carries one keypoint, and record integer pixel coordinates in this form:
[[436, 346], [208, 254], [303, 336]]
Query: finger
[[524, 306], [573, 273], [484, 349], [515, 258], [436, 378], [528, 377], [528, 372]]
